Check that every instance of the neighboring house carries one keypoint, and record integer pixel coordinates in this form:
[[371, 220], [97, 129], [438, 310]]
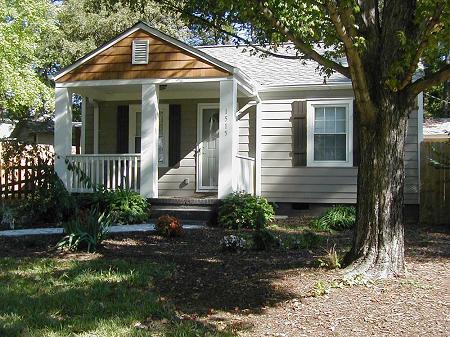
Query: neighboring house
[[171, 120], [436, 130], [42, 133]]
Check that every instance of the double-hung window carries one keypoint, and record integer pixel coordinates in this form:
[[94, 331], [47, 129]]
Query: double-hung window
[[330, 133]]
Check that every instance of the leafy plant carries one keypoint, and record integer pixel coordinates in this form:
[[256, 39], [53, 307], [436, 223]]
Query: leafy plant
[[124, 205], [87, 229], [265, 240], [242, 210], [49, 203], [233, 243], [7, 218], [338, 218], [169, 226], [308, 240], [331, 260]]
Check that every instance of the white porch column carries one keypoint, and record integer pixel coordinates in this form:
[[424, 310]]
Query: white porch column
[[63, 131], [149, 141], [228, 138], [258, 118], [96, 123], [83, 126]]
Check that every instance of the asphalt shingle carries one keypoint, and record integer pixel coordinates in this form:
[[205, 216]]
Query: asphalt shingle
[[271, 70]]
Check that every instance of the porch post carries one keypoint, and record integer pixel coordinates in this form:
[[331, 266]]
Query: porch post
[[149, 141], [63, 131], [228, 138], [83, 126]]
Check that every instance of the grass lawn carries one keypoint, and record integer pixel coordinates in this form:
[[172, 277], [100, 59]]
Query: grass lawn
[[144, 285], [92, 297]]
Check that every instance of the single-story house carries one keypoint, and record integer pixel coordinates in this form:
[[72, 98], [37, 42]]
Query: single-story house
[[436, 130], [171, 120], [41, 132]]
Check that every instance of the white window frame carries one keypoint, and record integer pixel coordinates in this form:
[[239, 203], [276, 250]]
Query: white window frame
[[134, 108], [311, 105]]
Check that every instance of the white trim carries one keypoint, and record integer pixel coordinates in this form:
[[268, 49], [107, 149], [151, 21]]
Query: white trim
[[258, 148], [99, 83], [200, 107], [149, 141], [348, 104], [194, 51], [96, 127], [228, 139], [83, 126], [63, 132], [296, 87]]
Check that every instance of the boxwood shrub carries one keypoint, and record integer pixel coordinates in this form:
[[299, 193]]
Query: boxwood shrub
[[242, 210]]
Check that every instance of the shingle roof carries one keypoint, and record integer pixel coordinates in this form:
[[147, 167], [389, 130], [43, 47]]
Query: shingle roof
[[271, 70], [436, 127]]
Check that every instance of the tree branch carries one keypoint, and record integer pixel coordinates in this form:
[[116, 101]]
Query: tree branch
[[305, 48], [424, 39], [240, 38], [429, 81], [345, 31]]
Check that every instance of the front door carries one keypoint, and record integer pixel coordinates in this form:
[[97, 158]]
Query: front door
[[207, 147]]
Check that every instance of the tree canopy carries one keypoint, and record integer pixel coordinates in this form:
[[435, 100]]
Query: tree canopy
[[23, 28]]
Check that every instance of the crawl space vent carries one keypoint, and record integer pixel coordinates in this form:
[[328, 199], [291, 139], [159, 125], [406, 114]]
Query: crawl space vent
[[140, 52]]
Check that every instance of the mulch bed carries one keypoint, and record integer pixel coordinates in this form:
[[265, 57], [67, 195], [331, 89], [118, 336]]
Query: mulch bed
[[271, 293]]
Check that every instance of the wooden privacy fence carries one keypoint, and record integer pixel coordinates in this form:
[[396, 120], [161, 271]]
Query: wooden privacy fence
[[435, 183], [23, 177]]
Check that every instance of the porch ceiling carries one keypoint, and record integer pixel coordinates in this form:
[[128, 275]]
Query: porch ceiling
[[132, 92]]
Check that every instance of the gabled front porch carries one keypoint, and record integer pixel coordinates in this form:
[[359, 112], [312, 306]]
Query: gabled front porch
[[169, 138]]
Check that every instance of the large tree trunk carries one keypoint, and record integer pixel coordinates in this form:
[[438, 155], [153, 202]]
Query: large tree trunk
[[378, 245]]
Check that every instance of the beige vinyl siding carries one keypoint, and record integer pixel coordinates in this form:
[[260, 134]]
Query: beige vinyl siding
[[282, 182], [247, 131]]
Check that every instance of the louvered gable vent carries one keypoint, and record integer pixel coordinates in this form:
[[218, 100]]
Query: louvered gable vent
[[140, 52]]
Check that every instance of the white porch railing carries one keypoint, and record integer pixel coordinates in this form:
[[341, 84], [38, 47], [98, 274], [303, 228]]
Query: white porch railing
[[110, 170], [246, 174]]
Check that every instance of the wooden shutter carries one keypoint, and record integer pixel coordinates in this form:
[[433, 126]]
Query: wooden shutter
[[174, 134], [299, 128], [355, 136], [123, 117]]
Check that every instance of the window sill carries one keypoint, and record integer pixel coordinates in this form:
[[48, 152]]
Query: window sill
[[330, 164]]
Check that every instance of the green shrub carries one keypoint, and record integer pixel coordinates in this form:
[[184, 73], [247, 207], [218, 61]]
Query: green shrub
[[331, 260], [124, 205], [242, 210], [49, 203], [337, 218], [308, 240], [233, 243], [169, 226], [86, 230], [265, 240]]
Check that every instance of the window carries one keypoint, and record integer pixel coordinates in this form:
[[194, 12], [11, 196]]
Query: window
[[330, 133], [163, 141]]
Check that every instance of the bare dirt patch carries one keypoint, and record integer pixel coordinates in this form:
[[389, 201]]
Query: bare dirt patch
[[271, 293]]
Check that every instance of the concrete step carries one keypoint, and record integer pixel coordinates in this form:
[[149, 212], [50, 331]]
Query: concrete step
[[206, 214]]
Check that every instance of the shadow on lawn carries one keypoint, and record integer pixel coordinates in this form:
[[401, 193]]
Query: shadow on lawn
[[41, 297], [203, 279]]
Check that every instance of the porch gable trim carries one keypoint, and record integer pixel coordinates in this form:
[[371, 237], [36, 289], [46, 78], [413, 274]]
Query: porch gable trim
[[152, 31]]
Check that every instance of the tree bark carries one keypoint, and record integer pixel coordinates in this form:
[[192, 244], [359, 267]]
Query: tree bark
[[378, 245]]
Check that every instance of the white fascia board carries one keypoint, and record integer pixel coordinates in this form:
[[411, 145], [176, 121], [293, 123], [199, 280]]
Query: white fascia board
[[296, 87], [246, 83], [155, 32], [99, 83]]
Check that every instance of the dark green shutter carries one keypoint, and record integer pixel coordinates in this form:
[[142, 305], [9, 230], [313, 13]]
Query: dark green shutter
[[174, 134], [123, 117], [299, 128]]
